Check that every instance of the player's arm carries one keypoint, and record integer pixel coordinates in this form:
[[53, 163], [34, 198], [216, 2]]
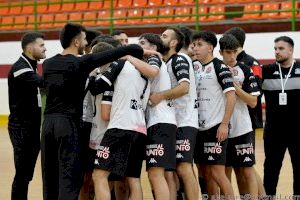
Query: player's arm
[[106, 104], [103, 82], [225, 80], [143, 67], [249, 91], [181, 71], [91, 61], [249, 99]]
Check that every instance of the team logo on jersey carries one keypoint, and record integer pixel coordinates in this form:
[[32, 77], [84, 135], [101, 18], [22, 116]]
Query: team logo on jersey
[[134, 104], [208, 70], [179, 59], [196, 66], [235, 72]]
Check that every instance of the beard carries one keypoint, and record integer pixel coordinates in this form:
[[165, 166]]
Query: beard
[[281, 60], [165, 49], [81, 50]]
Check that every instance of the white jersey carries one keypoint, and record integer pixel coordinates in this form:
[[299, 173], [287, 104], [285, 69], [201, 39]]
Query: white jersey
[[99, 126], [164, 112], [131, 94], [87, 113], [213, 80], [180, 68], [240, 120]]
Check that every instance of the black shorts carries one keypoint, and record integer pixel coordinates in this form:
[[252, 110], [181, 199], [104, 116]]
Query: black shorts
[[90, 159], [185, 144], [208, 150], [241, 151], [161, 146], [121, 152]]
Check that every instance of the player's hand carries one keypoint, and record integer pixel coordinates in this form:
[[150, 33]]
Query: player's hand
[[237, 84], [95, 72], [222, 132], [154, 99]]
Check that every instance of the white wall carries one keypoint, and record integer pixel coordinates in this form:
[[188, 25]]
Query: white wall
[[259, 45]]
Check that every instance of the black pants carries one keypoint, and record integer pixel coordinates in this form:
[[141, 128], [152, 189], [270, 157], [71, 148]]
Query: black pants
[[61, 163], [25, 140], [275, 146]]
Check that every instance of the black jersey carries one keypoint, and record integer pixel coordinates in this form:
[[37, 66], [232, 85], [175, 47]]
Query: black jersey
[[277, 116], [23, 83], [255, 113], [65, 77]]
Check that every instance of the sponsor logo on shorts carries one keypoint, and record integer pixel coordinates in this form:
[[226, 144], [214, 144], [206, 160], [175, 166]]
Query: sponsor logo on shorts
[[247, 159], [155, 150], [103, 152], [179, 155], [152, 161], [212, 147], [210, 158], [244, 149], [183, 145]]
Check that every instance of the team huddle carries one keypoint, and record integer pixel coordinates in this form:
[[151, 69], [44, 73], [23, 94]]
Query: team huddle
[[168, 101]]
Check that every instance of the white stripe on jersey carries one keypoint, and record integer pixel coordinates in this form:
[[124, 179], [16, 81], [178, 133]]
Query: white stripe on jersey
[[22, 71]]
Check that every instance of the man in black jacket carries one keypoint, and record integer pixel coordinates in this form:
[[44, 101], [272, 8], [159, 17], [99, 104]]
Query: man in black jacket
[[25, 111], [65, 75]]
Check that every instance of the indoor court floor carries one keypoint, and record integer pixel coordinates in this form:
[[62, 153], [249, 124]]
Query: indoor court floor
[[35, 189]]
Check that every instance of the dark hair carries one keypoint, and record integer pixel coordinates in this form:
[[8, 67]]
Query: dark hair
[[154, 39], [208, 36], [106, 38], [117, 32], [179, 37], [90, 35], [285, 39], [30, 37], [228, 41], [187, 32], [238, 33], [101, 46], [69, 32]]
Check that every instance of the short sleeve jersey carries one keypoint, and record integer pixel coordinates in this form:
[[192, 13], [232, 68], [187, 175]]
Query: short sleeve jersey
[[99, 126], [240, 120], [213, 80], [131, 94], [180, 68], [164, 112]]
